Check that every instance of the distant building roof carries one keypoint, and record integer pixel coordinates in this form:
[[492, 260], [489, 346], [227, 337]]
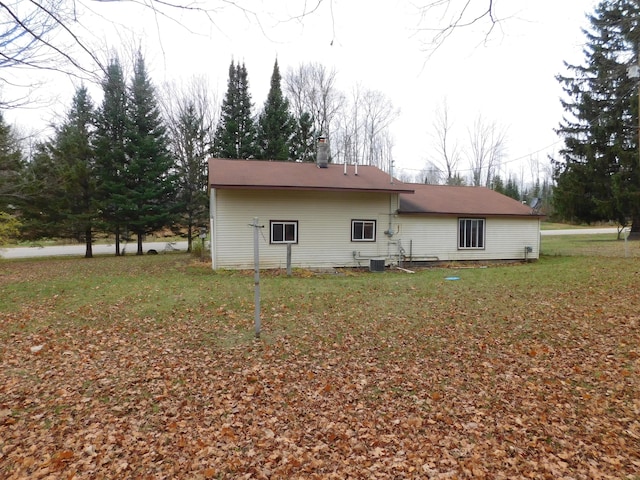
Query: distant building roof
[[459, 200], [272, 175]]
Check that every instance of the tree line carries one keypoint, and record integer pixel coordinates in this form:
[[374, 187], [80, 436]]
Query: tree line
[[107, 168], [136, 163]]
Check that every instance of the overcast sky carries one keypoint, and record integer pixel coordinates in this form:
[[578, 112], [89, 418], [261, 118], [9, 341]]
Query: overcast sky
[[507, 77]]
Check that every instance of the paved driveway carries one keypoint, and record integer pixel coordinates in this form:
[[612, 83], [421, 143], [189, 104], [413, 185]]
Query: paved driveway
[[580, 231], [79, 250]]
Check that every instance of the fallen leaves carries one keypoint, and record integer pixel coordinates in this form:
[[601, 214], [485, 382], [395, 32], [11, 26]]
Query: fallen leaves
[[434, 386]]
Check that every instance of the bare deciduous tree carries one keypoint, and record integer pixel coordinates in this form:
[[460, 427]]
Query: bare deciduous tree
[[446, 149], [363, 135], [487, 144], [190, 116], [39, 34], [378, 113], [27, 26], [441, 18], [431, 174], [311, 88]]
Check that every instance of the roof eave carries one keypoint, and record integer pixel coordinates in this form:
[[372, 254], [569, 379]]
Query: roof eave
[[308, 188], [472, 214]]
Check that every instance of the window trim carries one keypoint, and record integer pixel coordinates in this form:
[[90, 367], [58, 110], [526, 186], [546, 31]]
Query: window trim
[[363, 222], [273, 223], [482, 238]]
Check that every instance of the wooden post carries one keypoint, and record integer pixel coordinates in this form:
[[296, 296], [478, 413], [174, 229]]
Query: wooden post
[[256, 277], [288, 259]]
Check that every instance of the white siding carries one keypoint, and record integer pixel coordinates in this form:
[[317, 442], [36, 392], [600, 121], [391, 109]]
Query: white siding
[[324, 227], [436, 238]]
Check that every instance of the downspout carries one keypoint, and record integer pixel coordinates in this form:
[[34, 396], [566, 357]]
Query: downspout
[[539, 237], [390, 231], [212, 213]]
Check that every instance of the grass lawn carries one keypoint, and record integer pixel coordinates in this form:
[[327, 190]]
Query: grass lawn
[[146, 367], [599, 245]]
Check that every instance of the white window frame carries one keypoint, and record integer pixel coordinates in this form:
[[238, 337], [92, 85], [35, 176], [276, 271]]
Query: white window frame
[[283, 224], [472, 233], [363, 224]]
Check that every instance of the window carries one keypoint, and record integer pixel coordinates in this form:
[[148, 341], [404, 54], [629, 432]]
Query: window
[[471, 233], [284, 231], [363, 230]]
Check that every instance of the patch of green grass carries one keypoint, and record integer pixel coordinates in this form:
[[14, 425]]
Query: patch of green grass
[[569, 226], [600, 245], [169, 294]]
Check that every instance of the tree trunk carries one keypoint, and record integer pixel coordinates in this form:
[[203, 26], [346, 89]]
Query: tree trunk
[[89, 243], [117, 233], [634, 234], [139, 252]]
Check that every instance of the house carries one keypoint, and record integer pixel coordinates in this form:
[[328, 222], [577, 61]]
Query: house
[[346, 216], [456, 223]]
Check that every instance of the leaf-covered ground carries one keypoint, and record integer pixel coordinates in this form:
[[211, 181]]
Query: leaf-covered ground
[[523, 371]]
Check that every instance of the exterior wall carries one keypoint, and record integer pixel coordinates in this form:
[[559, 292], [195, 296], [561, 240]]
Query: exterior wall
[[324, 227], [436, 238]]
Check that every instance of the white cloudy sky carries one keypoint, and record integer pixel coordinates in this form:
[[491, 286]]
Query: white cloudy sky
[[508, 78]]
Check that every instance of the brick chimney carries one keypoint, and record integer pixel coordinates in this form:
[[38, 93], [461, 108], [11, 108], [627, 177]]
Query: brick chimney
[[322, 153]]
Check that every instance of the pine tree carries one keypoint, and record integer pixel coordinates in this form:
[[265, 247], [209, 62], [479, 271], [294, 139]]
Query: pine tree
[[190, 144], [42, 214], [599, 176], [456, 180], [12, 167], [275, 124], [149, 198], [236, 134], [111, 160], [74, 163], [511, 188], [497, 184], [61, 181], [12, 174], [303, 142]]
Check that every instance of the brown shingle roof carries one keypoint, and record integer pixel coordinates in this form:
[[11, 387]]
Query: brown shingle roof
[[259, 174], [415, 198], [454, 200]]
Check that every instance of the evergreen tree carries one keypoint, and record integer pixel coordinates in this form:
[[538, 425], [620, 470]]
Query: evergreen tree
[[42, 214], [148, 200], [497, 184], [275, 124], [546, 198], [190, 147], [61, 179], [12, 166], [511, 188], [599, 176], [456, 180], [74, 163], [111, 160], [303, 142], [236, 134]]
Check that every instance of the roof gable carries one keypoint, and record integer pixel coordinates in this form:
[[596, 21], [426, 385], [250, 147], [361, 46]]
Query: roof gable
[[270, 175], [460, 200]]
